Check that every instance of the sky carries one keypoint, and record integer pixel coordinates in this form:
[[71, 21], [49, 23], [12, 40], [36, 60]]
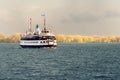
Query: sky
[[69, 17]]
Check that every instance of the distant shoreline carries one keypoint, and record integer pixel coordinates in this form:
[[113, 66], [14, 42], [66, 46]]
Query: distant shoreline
[[15, 38]]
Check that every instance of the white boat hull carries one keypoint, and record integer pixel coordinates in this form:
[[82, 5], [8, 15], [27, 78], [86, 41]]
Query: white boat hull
[[38, 43]]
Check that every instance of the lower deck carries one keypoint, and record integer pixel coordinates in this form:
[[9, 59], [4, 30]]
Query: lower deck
[[38, 43]]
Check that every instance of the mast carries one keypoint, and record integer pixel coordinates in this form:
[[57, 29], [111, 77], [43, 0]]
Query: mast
[[44, 21], [30, 30]]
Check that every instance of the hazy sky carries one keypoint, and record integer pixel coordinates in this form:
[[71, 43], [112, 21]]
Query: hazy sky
[[70, 17]]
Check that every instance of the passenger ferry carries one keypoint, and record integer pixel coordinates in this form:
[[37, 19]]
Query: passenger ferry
[[43, 38]]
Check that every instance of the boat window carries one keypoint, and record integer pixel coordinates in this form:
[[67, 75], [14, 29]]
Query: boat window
[[52, 37], [44, 38], [30, 38]]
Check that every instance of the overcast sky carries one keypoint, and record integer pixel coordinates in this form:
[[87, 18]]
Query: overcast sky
[[70, 17]]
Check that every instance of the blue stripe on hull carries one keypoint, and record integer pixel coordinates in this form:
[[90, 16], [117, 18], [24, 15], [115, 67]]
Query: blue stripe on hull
[[39, 46]]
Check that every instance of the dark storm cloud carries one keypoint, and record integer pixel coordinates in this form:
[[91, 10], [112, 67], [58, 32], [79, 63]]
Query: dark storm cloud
[[90, 17], [80, 18], [112, 14]]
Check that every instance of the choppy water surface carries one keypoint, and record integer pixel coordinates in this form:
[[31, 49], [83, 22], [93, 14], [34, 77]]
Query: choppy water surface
[[66, 62]]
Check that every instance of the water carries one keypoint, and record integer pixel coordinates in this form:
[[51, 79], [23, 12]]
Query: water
[[66, 62]]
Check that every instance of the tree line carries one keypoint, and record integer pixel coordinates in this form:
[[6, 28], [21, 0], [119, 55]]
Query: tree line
[[15, 38], [87, 39]]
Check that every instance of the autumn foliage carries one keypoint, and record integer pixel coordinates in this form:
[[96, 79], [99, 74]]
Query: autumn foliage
[[15, 38], [87, 39]]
